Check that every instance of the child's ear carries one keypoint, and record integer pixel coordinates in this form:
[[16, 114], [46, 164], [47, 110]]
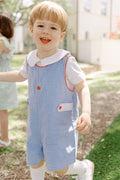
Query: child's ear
[[62, 36], [31, 30]]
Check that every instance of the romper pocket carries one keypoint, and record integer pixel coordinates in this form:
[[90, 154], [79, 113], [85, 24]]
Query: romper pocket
[[65, 107]]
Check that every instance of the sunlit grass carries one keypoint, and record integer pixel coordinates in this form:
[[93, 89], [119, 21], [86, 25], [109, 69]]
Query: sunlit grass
[[106, 153], [18, 124], [18, 60], [107, 81]]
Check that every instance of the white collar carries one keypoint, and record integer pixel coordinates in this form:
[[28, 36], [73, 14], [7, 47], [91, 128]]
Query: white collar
[[32, 58]]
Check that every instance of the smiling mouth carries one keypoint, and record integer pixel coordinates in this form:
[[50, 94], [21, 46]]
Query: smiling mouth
[[45, 40]]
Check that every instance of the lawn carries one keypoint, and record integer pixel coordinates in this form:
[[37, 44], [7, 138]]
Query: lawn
[[18, 60], [106, 152]]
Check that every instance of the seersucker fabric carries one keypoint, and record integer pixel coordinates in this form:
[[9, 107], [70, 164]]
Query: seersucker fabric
[[8, 92], [52, 116]]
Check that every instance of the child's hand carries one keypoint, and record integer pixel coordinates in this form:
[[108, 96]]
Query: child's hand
[[83, 123]]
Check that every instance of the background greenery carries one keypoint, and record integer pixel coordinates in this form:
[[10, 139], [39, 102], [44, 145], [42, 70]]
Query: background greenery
[[106, 153], [19, 10]]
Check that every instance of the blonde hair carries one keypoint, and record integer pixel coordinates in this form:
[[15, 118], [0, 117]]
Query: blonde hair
[[50, 11]]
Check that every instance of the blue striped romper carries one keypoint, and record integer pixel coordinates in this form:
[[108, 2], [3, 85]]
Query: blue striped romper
[[52, 115]]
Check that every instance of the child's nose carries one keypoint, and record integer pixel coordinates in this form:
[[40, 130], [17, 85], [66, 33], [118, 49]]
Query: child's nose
[[46, 30]]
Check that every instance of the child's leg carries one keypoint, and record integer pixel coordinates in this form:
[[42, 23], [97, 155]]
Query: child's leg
[[4, 126], [38, 171]]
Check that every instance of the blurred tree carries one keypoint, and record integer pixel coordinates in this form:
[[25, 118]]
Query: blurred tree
[[19, 9], [16, 9], [1, 3], [19, 12]]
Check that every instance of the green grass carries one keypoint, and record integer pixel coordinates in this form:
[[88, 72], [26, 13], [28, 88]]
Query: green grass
[[106, 154], [18, 60], [18, 123], [108, 81]]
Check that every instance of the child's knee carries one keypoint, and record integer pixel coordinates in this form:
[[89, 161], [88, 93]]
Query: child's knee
[[62, 171], [38, 165]]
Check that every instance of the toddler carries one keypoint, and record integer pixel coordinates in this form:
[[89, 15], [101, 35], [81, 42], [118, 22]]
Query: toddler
[[8, 92], [55, 82]]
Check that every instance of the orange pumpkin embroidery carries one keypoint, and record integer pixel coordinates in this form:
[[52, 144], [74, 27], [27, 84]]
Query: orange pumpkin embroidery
[[38, 88]]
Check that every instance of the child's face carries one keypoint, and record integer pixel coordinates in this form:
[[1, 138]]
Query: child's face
[[47, 35]]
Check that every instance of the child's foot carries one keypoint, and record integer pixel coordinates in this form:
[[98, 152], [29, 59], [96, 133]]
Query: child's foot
[[88, 175], [4, 143]]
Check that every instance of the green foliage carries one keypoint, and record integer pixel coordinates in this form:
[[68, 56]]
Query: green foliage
[[19, 10], [106, 154], [18, 60], [107, 81]]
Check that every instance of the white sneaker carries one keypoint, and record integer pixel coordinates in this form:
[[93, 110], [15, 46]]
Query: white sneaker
[[88, 175]]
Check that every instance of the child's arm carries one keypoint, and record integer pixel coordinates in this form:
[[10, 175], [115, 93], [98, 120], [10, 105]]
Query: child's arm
[[3, 48], [11, 76], [84, 122]]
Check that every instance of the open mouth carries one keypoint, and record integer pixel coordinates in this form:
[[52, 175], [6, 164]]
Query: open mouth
[[45, 40]]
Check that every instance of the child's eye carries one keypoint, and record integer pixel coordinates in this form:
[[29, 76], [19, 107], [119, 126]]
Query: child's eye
[[40, 25], [54, 28]]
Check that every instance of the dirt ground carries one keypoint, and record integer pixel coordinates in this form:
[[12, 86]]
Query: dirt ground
[[105, 107]]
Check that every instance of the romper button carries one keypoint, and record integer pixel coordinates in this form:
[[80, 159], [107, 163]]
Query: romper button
[[38, 88], [60, 107]]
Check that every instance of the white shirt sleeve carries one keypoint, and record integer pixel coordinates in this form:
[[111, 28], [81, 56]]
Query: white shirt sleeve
[[74, 74], [23, 70]]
